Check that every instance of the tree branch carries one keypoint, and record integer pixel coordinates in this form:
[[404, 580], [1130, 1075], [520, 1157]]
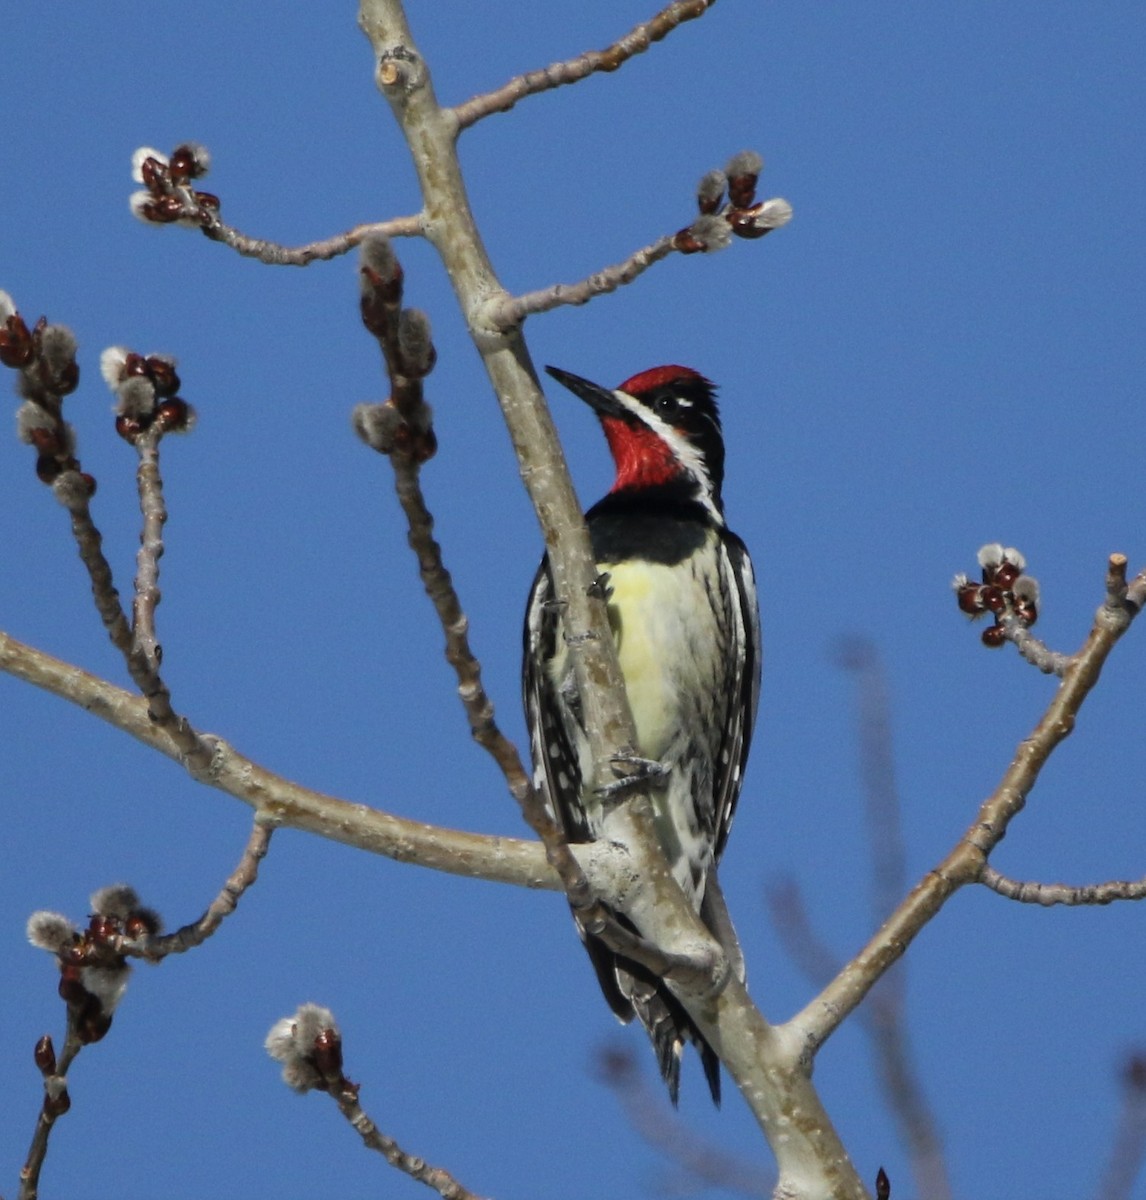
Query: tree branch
[[812, 1160], [1049, 894], [501, 860], [276, 255], [573, 70], [966, 862]]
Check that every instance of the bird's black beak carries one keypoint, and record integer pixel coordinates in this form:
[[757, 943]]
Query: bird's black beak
[[599, 399]]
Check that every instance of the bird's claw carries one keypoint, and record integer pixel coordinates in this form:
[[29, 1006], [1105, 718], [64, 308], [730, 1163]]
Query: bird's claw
[[633, 771]]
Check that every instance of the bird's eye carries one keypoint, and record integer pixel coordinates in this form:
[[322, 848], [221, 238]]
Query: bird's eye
[[666, 406]]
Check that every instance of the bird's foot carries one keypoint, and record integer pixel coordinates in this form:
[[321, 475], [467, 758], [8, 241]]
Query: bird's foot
[[633, 771]]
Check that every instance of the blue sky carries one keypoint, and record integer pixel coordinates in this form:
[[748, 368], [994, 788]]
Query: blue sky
[[943, 349]]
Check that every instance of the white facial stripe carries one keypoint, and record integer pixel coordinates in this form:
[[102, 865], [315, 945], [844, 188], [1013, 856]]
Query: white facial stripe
[[686, 453]]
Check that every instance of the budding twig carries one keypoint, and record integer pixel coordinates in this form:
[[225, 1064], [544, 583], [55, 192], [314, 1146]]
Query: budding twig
[[168, 198], [966, 862], [573, 70], [309, 1045], [402, 429], [276, 255], [721, 218]]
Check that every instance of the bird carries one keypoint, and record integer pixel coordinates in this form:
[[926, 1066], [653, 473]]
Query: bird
[[682, 606]]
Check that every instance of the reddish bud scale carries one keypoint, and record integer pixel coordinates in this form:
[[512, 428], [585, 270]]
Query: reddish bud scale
[[103, 927], [994, 637], [328, 1053], [1004, 574], [172, 413], [48, 468], [207, 200], [93, 1025], [71, 990], [46, 441], [140, 924], [970, 601], [162, 374], [45, 1055], [56, 1106], [128, 428], [742, 190], [182, 166], [744, 226], [686, 242], [16, 346], [153, 173], [993, 598], [68, 379]]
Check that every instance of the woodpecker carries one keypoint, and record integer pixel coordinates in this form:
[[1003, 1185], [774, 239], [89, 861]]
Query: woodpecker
[[681, 600]]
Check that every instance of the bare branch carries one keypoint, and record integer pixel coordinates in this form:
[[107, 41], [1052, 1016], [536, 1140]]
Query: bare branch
[[197, 932], [147, 594], [276, 255], [572, 70], [966, 862], [1049, 894], [509, 311], [500, 859], [770, 1071]]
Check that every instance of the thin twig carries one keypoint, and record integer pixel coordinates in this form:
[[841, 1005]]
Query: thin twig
[[1035, 651], [572, 70], [276, 255], [191, 746], [56, 1102], [197, 932], [1049, 894], [437, 1178], [508, 311], [147, 594]]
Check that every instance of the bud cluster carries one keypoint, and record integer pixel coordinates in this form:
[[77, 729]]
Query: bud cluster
[[403, 424], [1004, 592], [309, 1046], [168, 196], [93, 968], [144, 389], [740, 215], [45, 357]]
